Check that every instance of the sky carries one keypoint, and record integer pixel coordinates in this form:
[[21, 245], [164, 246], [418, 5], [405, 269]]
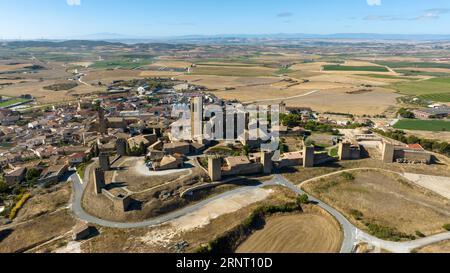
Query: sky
[[33, 19]]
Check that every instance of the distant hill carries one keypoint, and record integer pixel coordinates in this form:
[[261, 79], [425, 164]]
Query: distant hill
[[61, 44]]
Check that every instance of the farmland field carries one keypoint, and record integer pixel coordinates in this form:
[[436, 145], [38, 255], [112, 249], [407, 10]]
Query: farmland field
[[381, 76], [431, 86], [444, 97], [414, 64], [407, 72], [355, 68], [12, 102], [423, 125], [309, 232], [236, 71], [125, 63]]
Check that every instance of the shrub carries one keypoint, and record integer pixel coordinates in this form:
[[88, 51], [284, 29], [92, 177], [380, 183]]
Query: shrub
[[348, 176], [3, 186], [446, 227], [420, 234], [387, 233], [18, 206], [358, 215], [303, 199]]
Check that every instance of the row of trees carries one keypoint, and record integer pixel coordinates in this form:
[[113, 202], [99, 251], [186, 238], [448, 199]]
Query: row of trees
[[293, 120], [441, 147]]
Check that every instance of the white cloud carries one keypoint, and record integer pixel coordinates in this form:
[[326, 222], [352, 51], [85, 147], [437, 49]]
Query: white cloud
[[73, 2], [374, 2]]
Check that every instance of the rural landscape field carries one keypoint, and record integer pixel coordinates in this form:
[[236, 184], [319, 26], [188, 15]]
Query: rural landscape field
[[212, 143]]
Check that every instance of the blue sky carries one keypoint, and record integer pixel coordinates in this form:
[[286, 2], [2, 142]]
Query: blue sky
[[72, 18]]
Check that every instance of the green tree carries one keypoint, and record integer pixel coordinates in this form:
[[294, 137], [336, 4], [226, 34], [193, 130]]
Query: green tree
[[32, 175], [3, 186], [141, 149], [303, 199], [405, 113], [290, 120], [413, 140], [246, 150], [95, 150]]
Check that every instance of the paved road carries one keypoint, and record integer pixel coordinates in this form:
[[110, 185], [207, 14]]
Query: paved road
[[352, 235], [350, 231], [403, 247], [80, 213]]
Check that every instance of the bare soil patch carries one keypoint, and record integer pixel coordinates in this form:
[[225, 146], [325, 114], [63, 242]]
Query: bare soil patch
[[35, 232]]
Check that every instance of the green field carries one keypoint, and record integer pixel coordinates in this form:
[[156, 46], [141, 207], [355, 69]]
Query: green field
[[355, 68], [442, 97], [414, 64], [12, 102], [431, 86], [124, 63], [423, 125], [421, 73]]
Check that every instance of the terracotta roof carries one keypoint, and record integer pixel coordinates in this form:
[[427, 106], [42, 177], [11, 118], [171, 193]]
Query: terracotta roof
[[415, 146]]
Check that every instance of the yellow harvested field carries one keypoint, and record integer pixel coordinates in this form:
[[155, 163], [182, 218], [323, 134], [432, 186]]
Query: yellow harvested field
[[47, 96], [359, 63], [440, 136], [371, 103], [11, 81], [350, 79], [221, 82], [171, 64], [110, 75], [237, 71], [6, 67], [317, 66], [308, 232], [159, 74], [224, 64], [84, 64], [392, 59]]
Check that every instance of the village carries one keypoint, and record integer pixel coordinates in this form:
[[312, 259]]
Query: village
[[120, 148]]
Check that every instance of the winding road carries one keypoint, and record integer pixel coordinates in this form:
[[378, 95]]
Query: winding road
[[352, 235]]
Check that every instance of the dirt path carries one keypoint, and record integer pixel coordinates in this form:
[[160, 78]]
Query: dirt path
[[283, 99]]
